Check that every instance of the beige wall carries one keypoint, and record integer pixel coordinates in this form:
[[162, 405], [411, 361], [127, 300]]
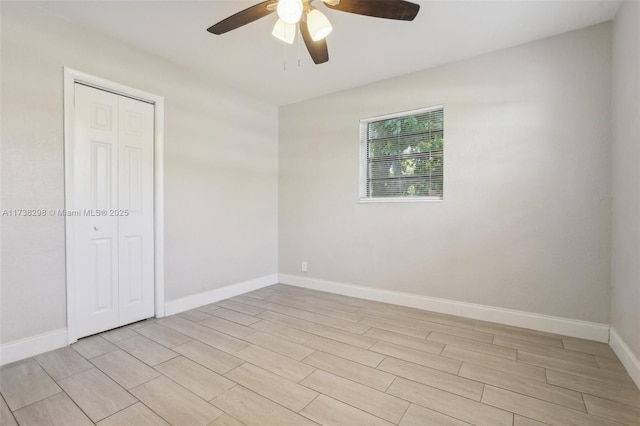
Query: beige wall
[[220, 168], [525, 222], [625, 126]]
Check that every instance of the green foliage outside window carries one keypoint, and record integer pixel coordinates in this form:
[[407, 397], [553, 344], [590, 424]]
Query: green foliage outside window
[[405, 156]]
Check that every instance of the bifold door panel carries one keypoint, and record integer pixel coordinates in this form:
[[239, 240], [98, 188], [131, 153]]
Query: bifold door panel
[[113, 194]]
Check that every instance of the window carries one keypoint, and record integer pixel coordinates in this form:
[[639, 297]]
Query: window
[[401, 156]]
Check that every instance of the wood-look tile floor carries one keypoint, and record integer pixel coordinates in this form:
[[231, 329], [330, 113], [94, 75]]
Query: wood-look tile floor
[[289, 356]]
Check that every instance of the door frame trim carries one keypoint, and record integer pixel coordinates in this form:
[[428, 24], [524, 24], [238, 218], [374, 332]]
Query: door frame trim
[[71, 77]]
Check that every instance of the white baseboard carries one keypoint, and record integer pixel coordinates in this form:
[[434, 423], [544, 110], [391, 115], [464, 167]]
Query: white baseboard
[[33, 345], [195, 301], [626, 355], [550, 324]]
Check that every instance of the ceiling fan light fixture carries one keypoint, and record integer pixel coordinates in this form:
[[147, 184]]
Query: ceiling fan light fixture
[[284, 31], [319, 25], [312, 24], [290, 11]]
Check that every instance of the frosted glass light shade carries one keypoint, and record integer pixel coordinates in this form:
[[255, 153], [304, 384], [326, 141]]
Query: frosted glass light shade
[[319, 25], [284, 31], [290, 11]]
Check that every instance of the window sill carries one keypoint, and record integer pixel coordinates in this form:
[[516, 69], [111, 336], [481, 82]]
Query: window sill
[[402, 200]]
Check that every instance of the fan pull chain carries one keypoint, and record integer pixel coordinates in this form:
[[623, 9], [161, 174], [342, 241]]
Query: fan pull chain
[[284, 56], [299, 37]]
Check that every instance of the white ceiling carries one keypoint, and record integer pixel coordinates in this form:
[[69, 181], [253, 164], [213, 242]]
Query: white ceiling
[[361, 49]]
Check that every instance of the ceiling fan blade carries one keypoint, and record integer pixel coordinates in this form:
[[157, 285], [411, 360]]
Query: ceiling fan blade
[[389, 9], [317, 49], [243, 17]]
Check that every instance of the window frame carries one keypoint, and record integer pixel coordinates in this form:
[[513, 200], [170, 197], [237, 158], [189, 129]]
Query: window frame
[[363, 159]]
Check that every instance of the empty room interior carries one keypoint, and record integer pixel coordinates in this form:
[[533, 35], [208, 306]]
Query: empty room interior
[[320, 212]]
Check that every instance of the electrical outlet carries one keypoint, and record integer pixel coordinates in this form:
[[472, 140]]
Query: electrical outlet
[[304, 266]]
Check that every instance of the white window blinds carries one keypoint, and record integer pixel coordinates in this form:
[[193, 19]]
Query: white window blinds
[[401, 156]]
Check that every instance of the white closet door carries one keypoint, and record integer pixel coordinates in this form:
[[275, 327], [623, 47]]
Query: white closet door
[[135, 202], [113, 195]]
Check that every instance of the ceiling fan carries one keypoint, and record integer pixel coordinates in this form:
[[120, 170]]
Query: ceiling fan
[[314, 25]]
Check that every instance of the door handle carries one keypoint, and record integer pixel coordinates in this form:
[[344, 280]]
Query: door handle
[[95, 228]]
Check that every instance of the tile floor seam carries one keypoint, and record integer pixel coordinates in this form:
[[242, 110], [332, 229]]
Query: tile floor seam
[[62, 390], [325, 313], [263, 396], [529, 396], [112, 414], [404, 413], [608, 399], [310, 373], [548, 402], [351, 380], [77, 405], [309, 403], [363, 410], [68, 396], [345, 403], [538, 399], [584, 403], [392, 381], [355, 347], [444, 414], [443, 390], [177, 384], [118, 384], [158, 414]]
